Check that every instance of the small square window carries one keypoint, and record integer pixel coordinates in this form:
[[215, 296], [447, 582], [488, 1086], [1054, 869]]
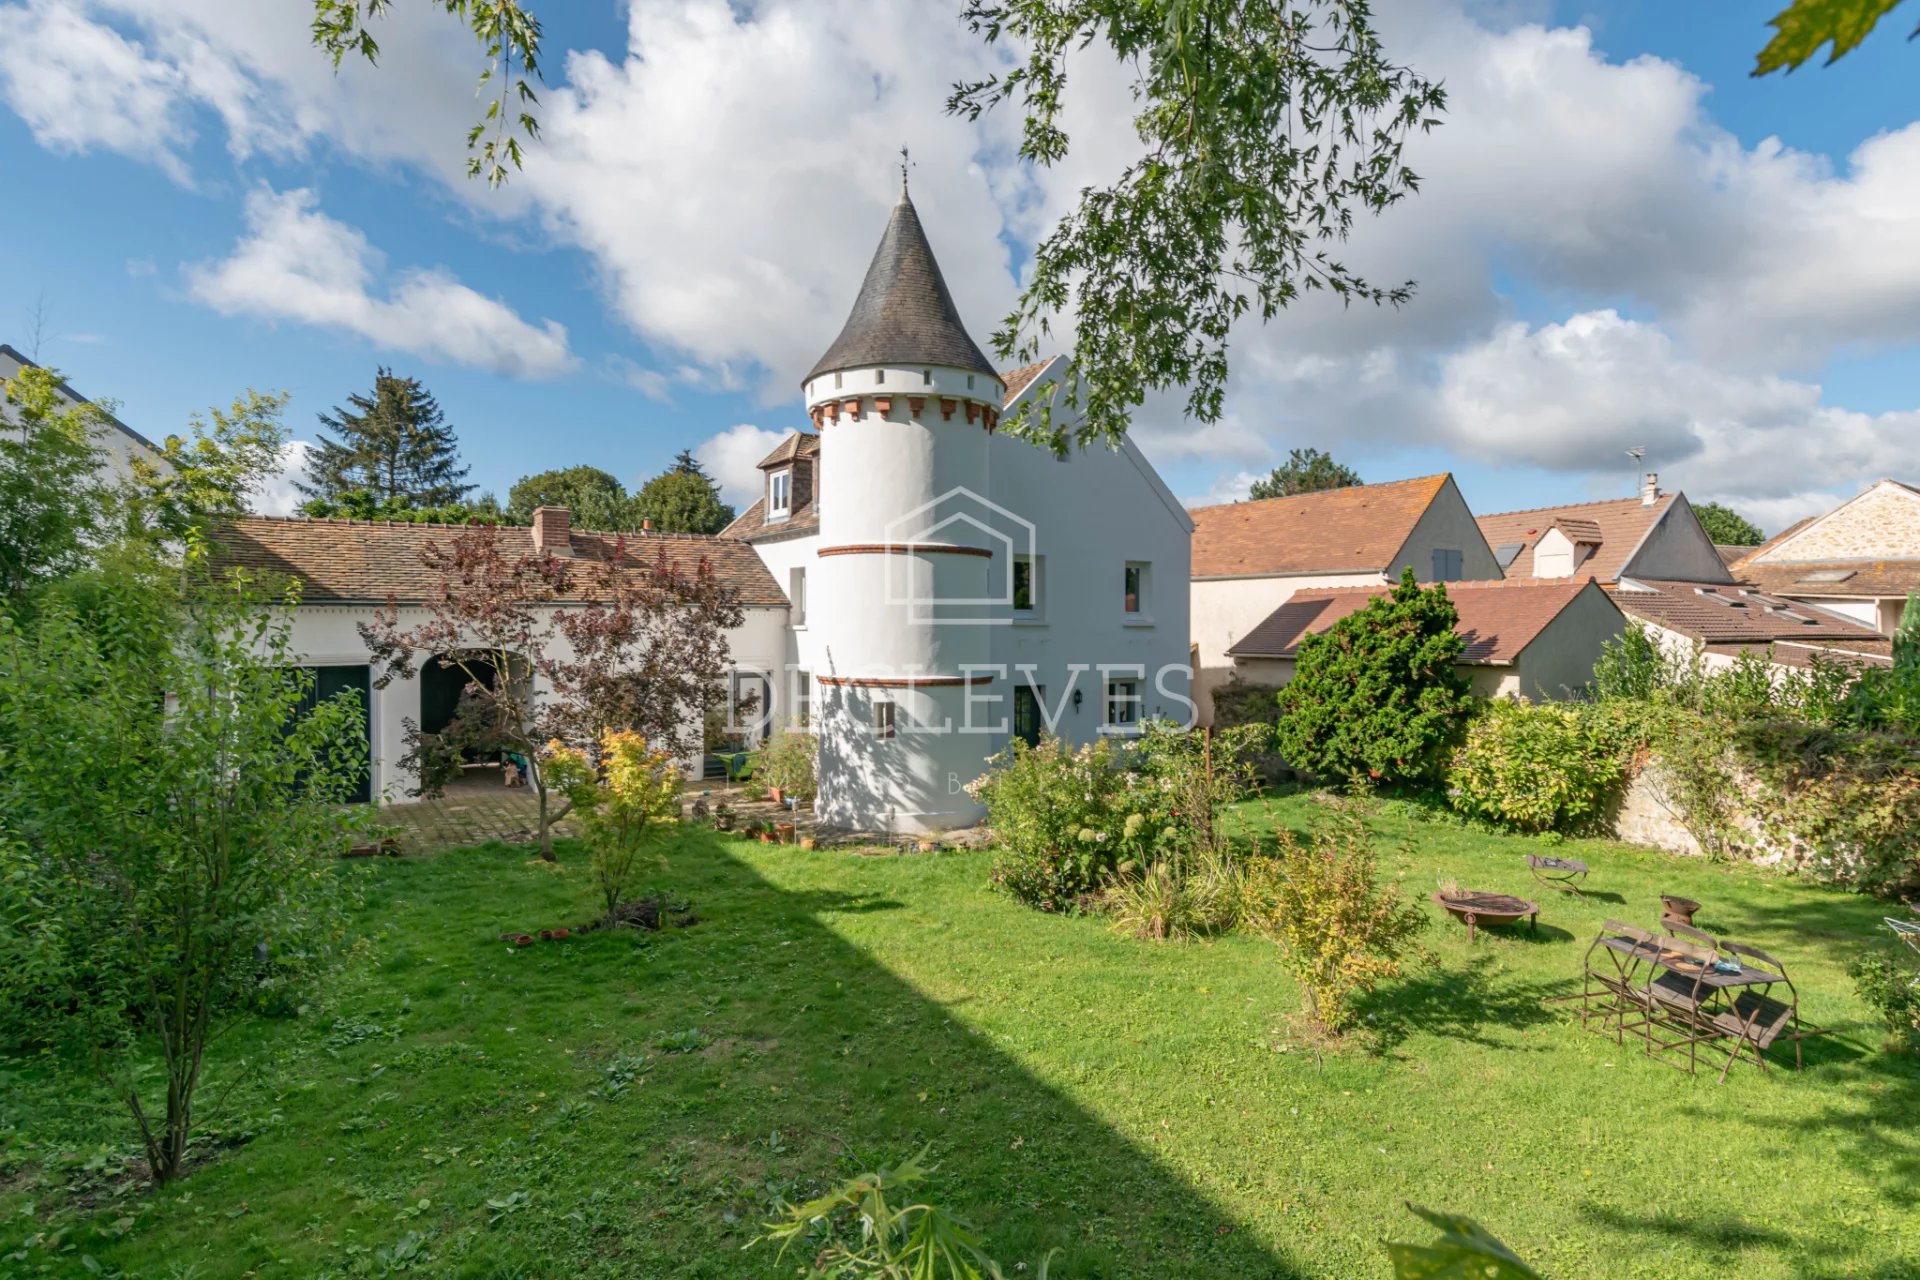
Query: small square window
[[1123, 703], [883, 720]]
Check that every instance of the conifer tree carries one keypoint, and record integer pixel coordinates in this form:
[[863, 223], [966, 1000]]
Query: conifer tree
[[683, 499], [394, 445]]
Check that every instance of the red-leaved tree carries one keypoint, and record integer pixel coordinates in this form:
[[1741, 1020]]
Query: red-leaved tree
[[553, 647]]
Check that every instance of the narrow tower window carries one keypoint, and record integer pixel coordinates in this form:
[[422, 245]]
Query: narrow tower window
[[879, 375], [883, 723]]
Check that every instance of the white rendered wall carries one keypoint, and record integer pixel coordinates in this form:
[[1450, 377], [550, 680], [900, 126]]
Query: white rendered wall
[[328, 635], [1224, 610]]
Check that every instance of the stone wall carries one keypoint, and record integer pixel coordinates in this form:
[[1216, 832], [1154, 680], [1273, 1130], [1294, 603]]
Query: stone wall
[[1650, 813]]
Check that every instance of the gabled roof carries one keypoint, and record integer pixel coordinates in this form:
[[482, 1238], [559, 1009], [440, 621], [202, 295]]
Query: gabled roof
[[1729, 554], [1712, 614], [904, 314], [1877, 549], [1622, 525], [1838, 579], [1354, 530], [1017, 379], [67, 391], [800, 444], [362, 561], [1580, 530], [1498, 620]]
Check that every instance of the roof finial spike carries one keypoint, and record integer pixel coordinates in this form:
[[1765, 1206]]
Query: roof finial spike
[[904, 162]]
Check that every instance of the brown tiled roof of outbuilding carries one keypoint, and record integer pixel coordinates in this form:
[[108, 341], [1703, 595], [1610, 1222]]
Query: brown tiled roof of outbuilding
[[1354, 530], [1871, 579], [1714, 613], [341, 561], [1498, 620], [1621, 524], [1017, 379]]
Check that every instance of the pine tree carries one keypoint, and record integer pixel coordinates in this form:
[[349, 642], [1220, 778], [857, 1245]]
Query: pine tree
[[394, 445], [683, 499], [1306, 471]]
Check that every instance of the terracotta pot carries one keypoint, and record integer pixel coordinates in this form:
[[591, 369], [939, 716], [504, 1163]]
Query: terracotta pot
[[1677, 910], [783, 832], [927, 846], [766, 837], [523, 940], [808, 842], [554, 935], [775, 795]]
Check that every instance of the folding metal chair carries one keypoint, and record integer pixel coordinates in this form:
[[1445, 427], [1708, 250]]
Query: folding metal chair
[[1908, 931], [1757, 1019], [1612, 977], [1558, 873], [1698, 937], [1679, 997]]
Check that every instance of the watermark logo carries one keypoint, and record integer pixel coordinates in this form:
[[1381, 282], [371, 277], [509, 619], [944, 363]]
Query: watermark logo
[[961, 521]]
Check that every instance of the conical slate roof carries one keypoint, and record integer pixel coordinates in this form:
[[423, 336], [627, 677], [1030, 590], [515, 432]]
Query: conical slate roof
[[904, 314]]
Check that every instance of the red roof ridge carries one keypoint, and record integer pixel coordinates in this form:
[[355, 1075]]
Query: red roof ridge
[[1295, 497], [1570, 506]]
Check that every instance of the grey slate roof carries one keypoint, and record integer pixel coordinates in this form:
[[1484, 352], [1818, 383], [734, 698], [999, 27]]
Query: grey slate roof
[[904, 314]]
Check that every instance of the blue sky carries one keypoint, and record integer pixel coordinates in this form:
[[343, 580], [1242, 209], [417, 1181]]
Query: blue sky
[[182, 179]]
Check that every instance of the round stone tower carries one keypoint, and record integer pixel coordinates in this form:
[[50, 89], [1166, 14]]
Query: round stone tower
[[909, 579]]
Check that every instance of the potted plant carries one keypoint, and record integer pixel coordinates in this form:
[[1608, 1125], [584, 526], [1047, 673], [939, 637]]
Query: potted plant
[[783, 832], [723, 816], [787, 765]]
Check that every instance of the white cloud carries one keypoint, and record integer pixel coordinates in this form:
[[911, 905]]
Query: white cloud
[[296, 263], [277, 495], [732, 459]]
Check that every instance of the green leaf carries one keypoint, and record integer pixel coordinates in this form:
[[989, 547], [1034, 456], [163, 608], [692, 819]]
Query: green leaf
[[1805, 25], [1465, 1251]]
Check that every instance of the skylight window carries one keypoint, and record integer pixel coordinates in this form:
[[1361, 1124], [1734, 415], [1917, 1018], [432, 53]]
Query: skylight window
[[1828, 575]]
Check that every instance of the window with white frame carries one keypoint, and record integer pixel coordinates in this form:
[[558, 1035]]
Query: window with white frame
[[1026, 584], [779, 494], [883, 719], [1123, 704], [1138, 581], [802, 698], [797, 594]]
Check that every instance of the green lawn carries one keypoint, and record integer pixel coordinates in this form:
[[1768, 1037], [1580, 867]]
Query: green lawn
[[448, 1110]]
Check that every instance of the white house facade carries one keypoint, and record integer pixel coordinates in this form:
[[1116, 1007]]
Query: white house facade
[[952, 587], [118, 443]]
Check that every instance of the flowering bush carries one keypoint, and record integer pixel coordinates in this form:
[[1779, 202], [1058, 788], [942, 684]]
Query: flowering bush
[[1063, 819], [1537, 768]]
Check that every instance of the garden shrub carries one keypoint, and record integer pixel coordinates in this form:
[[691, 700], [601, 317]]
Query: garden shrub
[[624, 807], [1378, 694], [1884, 978], [1538, 768], [1339, 930], [1062, 820], [1842, 803], [788, 761]]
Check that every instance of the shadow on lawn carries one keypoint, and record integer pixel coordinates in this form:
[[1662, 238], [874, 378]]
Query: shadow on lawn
[[1462, 1004], [875, 1070]]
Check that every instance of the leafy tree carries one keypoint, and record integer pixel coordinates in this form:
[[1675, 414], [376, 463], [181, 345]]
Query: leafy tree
[[212, 475], [1377, 693], [54, 506], [361, 505], [646, 652], [682, 499], [1803, 27], [1266, 125], [173, 821], [594, 497], [393, 444], [625, 806], [1305, 471], [1728, 527]]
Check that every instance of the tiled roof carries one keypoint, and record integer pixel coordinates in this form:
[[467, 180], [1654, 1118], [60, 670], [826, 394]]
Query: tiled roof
[[1739, 614], [1621, 525], [361, 560], [1730, 555], [904, 314], [1579, 530], [1874, 579], [1354, 530], [1017, 379], [1497, 619], [751, 525], [798, 444]]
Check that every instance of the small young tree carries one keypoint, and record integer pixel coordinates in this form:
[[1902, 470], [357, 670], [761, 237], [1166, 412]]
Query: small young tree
[[211, 475], [626, 807], [53, 506], [1377, 693], [175, 813], [557, 648], [1339, 929]]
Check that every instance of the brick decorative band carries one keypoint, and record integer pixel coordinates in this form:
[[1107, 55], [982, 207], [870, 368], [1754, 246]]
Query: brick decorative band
[[904, 549], [903, 682]]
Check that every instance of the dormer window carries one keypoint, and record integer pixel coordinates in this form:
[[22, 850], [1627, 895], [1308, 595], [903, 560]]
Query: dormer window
[[780, 495]]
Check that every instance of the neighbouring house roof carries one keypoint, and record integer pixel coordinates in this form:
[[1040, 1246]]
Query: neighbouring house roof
[[1839, 579], [359, 561], [1738, 614], [1017, 379], [1615, 529], [903, 314], [1730, 555], [800, 444], [74, 396], [1498, 620], [1354, 530], [1804, 653]]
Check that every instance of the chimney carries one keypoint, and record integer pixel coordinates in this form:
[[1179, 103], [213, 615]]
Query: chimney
[[552, 533], [1650, 489], [646, 524]]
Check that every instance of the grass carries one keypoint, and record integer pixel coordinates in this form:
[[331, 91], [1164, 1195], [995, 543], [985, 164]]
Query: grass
[[615, 1105]]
